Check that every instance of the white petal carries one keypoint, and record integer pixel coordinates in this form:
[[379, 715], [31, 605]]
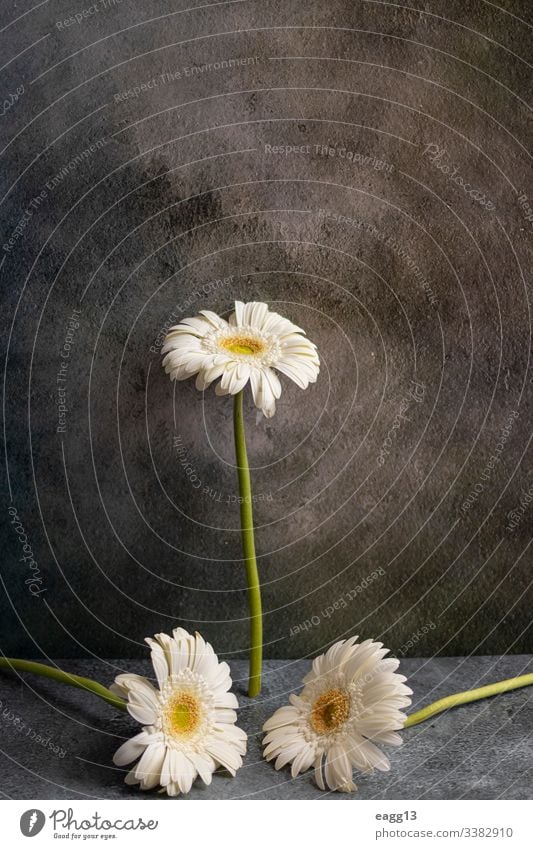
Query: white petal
[[201, 383], [375, 757], [131, 749], [223, 754], [223, 715], [220, 391], [285, 715], [389, 738], [332, 780], [196, 326], [289, 752], [172, 788], [131, 777], [183, 772], [319, 778], [268, 400], [355, 750], [303, 760], [186, 647], [124, 682], [204, 765], [338, 767], [212, 372], [158, 661], [272, 749], [166, 769], [214, 319], [220, 678], [295, 373], [142, 712], [182, 340], [225, 700], [280, 736], [280, 326], [255, 314], [149, 767], [141, 689], [269, 391], [256, 385], [275, 743], [233, 735], [239, 378], [237, 318]]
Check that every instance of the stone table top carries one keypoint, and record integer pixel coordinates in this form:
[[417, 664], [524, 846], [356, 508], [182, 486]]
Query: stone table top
[[58, 742]]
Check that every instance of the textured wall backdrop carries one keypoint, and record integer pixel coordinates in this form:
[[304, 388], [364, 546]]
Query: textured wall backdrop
[[363, 168]]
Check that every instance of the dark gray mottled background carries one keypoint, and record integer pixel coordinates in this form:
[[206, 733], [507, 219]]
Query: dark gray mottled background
[[400, 276]]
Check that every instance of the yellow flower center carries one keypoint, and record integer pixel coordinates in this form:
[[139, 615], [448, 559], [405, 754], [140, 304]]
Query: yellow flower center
[[329, 711], [182, 714], [243, 345]]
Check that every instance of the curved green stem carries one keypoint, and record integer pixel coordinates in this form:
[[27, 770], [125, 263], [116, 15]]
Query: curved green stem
[[468, 696], [64, 678], [248, 545]]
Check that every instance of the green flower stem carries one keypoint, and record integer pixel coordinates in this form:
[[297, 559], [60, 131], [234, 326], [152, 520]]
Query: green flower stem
[[248, 545], [468, 696], [64, 678]]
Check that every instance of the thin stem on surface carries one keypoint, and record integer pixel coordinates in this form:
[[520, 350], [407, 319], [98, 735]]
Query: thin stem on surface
[[468, 696], [64, 678]]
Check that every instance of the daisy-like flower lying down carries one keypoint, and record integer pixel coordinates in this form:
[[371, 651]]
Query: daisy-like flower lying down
[[352, 698], [189, 723], [247, 347]]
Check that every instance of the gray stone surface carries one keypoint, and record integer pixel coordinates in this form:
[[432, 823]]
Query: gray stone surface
[[479, 751], [394, 269]]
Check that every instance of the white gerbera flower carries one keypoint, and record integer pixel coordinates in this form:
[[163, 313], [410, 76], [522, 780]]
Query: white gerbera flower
[[352, 698], [189, 722], [247, 347]]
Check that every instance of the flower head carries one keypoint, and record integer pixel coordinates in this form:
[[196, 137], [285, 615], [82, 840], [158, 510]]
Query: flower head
[[352, 698], [189, 722], [247, 347]]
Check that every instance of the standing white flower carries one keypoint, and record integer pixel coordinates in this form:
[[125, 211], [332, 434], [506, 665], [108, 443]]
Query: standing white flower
[[352, 698], [247, 347], [189, 723]]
